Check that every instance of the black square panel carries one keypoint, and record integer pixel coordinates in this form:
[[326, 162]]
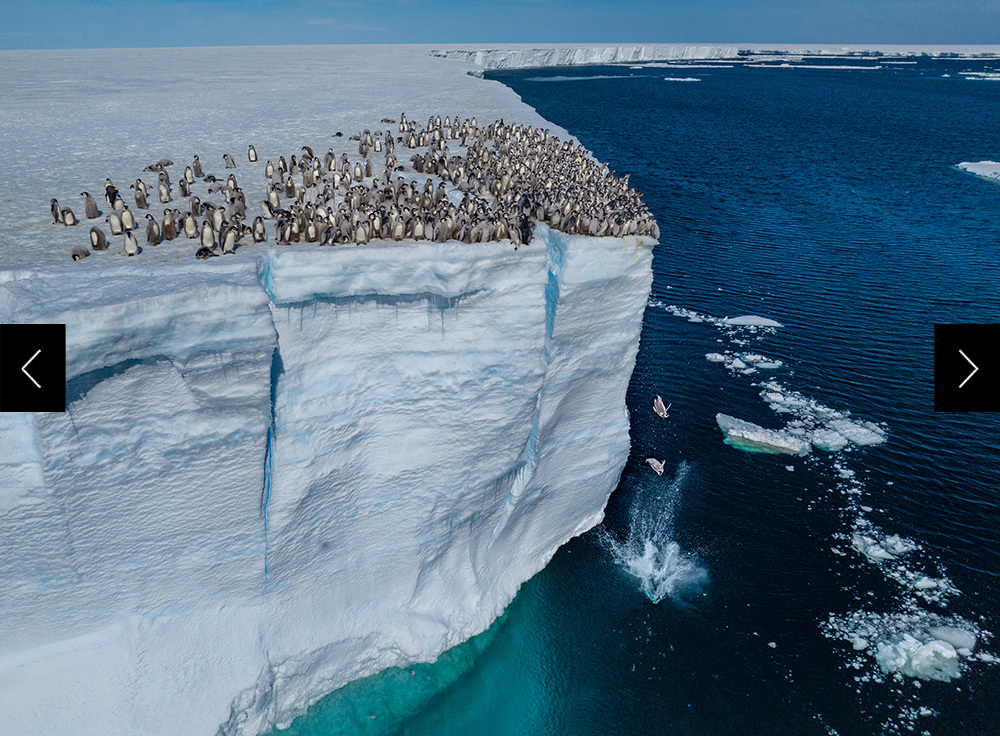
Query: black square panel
[[967, 368], [32, 367]]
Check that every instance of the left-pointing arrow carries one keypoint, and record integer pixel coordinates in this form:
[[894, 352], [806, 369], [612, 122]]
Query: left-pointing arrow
[[24, 369]]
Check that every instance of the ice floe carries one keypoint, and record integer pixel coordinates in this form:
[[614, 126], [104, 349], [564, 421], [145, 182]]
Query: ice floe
[[985, 169], [754, 438]]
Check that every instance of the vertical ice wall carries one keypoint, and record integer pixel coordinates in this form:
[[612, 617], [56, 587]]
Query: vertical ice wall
[[403, 433]]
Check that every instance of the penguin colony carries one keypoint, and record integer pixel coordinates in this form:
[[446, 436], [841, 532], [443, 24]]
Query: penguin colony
[[497, 184]]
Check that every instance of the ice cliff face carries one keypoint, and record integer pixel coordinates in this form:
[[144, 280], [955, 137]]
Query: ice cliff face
[[287, 471], [521, 58]]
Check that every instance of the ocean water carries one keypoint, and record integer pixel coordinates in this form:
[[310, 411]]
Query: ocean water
[[749, 592]]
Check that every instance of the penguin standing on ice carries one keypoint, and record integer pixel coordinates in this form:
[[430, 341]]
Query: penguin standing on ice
[[98, 241], [227, 239], [131, 245], [140, 197], [89, 206], [252, 154], [55, 211], [68, 218], [115, 223], [169, 226], [230, 164], [152, 230], [128, 219], [110, 192], [207, 235], [164, 191], [190, 226], [259, 233], [196, 167]]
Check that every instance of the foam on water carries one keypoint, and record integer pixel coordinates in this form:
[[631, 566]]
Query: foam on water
[[649, 551]]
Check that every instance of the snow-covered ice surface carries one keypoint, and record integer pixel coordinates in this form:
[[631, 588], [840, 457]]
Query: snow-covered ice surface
[[986, 169], [401, 433]]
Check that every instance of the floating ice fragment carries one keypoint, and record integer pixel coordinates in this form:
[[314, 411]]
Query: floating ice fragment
[[753, 438], [958, 638], [715, 357], [750, 320], [927, 660]]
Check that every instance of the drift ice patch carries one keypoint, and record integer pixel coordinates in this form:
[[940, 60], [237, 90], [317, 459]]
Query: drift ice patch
[[895, 646]]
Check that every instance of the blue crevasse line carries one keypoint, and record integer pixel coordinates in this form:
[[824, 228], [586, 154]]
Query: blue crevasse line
[[556, 252], [277, 368], [268, 465]]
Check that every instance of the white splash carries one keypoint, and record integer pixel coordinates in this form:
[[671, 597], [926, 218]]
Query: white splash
[[649, 552]]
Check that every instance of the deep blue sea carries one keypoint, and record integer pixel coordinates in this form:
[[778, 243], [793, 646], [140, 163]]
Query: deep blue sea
[[827, 200]]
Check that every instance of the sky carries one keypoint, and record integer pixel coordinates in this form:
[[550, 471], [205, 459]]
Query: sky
[[38, 24]]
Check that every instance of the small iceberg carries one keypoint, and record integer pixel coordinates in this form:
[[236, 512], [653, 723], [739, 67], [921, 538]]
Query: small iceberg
[[753, 438], [655, 464], [681, 79]]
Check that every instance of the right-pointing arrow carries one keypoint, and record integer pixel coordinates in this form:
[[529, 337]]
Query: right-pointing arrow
[[975, 369], [24, 369]]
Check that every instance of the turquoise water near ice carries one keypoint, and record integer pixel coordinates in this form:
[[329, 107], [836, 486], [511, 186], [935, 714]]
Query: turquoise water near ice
[[827, 200]]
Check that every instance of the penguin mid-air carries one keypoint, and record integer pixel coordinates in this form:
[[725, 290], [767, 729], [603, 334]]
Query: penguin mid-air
[[131, 245], [98, 241], [89, 206], [152, 230], [230, 164], [252, 154]]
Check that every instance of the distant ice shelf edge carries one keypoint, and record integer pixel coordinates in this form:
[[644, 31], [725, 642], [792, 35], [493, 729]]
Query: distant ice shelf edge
[[520, 57], [402, 434]]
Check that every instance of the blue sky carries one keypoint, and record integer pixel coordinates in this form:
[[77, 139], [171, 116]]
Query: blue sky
[[122, 24]]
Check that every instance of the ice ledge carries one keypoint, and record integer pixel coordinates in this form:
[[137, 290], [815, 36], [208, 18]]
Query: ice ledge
[[526, 57], [523, 58], [443, 418]]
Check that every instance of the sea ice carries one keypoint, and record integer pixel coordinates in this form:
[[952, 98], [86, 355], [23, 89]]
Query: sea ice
[[985, 169], [754, 438]]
